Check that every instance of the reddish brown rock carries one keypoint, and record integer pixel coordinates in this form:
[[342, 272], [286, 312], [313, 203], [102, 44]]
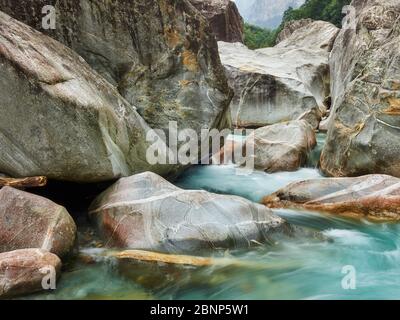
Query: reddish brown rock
[[224, 18], [376, 197], [30, 221], [23, 271]]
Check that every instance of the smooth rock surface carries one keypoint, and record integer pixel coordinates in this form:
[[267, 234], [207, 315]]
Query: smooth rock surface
[[30, 221], [59, 118], [364, 127], [224, 18], [373, 196], [146, 212], [279, 147], [22, 271], [275, 85], [317, 35], [160, 54]]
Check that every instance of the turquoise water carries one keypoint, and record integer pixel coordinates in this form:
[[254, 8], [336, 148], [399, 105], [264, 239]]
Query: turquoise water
[[298, 268]]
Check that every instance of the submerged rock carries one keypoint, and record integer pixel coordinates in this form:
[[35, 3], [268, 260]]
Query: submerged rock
[[60, 119], [279, 147], [224, 18], [275, 85], [30, 221], [160, 54], [23, 271], [147, 212], [375, 197], [364, 127]]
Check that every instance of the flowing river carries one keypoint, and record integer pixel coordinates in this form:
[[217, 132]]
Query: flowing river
[[299, 268]]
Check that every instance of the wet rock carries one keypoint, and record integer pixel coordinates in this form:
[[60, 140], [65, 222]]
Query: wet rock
[[375, 197], [59, 118], [224, 18], [23, 271], [275, 85], [279, 147], [160, 54], [364, 127], [146, 212], [30, 221]]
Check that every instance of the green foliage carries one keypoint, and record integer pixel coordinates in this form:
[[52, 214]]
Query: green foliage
[[256, 37], [327, 10]]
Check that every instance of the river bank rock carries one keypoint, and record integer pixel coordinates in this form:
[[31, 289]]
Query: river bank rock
[[30, 221], [59, 118], [279, 147], [364, 126], [22, 271], [275, 85], [224, 18], [146, 212], [376, 197], [160, 54]]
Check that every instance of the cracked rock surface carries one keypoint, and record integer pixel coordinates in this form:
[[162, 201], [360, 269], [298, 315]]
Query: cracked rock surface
[[364, 127]]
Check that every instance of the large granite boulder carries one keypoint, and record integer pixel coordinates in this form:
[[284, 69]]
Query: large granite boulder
[[59, 118], [30, 221], [224, 18], [373, 196], [279, 147], [364, 127], [25, 271], [308, 34], [275, 85], [149, 213], [160, 54]]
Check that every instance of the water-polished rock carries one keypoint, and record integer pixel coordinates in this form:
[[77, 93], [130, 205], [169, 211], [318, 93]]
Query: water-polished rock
[[279, 147], [376, 197], [30, 221], [147, 212], [306, 33], [224, 18], [59, 118], [160, 54], [364, 127], [275, 85], [25, 271]]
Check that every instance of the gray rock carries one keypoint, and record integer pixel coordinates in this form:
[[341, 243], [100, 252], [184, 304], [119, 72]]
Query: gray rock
[[308, 34], [364, 127], [224, 18], [275, 85], [30, 221], [149, 213], [160, 54], [22, 271], [59, 118], [375, 197]]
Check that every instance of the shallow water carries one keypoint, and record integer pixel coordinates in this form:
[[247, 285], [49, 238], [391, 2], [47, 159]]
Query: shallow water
[[300, 268]]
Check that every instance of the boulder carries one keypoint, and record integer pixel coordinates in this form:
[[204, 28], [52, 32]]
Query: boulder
[[275, 85], [224, 18], [364, 127], [30, 221], [375, 197], [160, 54], [23, 271], [59, 118], [146, 212], [292, 26], [317, 35], [279, 147]]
